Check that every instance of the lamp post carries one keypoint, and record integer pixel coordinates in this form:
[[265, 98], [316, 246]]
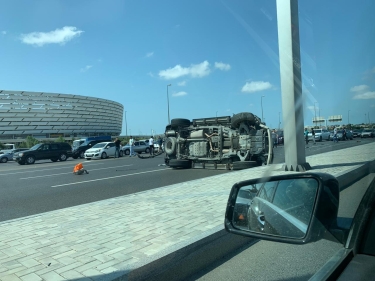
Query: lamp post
[[126, 125], [365, 118], [348, 116], [315, 112], [261, 105], [216, 113], [169, 119], [279, 121]]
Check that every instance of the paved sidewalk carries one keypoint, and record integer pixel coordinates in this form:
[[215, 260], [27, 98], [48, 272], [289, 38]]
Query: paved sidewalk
[[88, 242]]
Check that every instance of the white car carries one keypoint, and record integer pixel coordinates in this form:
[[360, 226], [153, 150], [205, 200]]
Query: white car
[[320, 135], [101, 150]]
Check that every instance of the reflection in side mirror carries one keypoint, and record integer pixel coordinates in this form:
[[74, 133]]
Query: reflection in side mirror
[[292, 208], [283, 208]]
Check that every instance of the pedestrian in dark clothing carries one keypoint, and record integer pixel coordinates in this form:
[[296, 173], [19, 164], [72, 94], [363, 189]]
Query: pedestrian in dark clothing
[[313, 134], [117, 144]]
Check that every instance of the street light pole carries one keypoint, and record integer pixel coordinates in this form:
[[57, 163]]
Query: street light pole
[[169, 119], [261, 105], [279, 121], [365, 118], [314, 113], [216, 113], [348, 116], [126, 125]]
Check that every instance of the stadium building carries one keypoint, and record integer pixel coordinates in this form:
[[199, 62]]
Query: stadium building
[[48, 116]]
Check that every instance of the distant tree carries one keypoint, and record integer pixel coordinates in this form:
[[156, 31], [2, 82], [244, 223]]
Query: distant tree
[[31, 141], [60, 139]]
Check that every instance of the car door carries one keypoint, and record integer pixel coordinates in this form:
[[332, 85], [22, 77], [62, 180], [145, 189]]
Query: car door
[[143, 146], [137, 147], [111, 149], [43, 152]]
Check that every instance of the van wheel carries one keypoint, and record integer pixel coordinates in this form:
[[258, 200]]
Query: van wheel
[[177, 163]]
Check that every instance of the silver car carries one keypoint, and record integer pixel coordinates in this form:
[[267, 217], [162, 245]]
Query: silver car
[[320, 135], [139, 147], [8, 156], [367, 133]]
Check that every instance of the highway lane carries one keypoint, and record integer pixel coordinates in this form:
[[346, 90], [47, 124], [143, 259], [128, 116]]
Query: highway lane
[[46, 186]]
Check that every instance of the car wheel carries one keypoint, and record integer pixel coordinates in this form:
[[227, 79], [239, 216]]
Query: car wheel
[[237, 119], [54, 159], [177, 163], [147, 150], [121, 153], [180, 122], [240, 165], [30, 160], [104, 155], [88, 158], [82, 155], [63, 157], [4, 160], [21, 162], [320, 139], [127, 151]]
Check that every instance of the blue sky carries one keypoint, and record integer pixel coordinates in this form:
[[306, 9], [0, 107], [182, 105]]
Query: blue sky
[[220, 56]]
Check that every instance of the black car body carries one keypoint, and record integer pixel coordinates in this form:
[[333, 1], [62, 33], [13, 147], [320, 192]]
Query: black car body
[[42, 151], [87, 144]]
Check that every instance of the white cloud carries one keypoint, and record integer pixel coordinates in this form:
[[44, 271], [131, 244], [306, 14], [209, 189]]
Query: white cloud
[[58, 36], [3, 32], [87, 67], [359, 88], [256, 86], [222, 66], [365, 96], [194, 70], [149, 55], [182, 83], [179, 94]]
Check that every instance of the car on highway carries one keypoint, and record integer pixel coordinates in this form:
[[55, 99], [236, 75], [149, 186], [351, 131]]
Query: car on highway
[[340, 135], [239, 142], [139, 147], [280, 138], [80, 146], [8, 156], [101, 150], [55, 151], [368, 133], [357, 133], [320, 135]]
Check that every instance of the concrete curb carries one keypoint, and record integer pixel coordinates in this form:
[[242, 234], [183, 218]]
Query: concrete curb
[[191, 258]]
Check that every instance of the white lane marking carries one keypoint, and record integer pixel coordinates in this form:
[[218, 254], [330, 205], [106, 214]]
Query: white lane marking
[[71, 172], [152, 171], [33, 171]]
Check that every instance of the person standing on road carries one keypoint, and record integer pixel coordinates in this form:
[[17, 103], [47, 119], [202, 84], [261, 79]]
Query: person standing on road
[[275, 138], [335, 135], [160, 142], [151, 143], [131, 144], [306, 135], [313, 134], [344, 137], [117, 144]]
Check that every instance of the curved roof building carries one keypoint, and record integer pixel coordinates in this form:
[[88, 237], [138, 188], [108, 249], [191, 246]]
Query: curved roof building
[[48, 115]]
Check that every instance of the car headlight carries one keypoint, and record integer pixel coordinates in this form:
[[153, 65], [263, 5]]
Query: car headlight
[[20, 154], [98, 150]]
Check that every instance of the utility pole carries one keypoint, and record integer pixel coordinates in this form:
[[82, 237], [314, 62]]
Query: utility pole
[[169, 119], [126, 125]]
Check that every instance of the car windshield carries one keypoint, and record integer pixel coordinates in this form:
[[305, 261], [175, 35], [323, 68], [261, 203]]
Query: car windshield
[[233, 88], [99, 145], [35, 147]]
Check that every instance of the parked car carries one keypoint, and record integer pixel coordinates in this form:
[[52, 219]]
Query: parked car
[[5, 157], [280, 135], [139, 147], [41, 151], [240, 141], [367, 133], [101, 150], [357, 133], [340, 135], [79, 151], [320, 135]]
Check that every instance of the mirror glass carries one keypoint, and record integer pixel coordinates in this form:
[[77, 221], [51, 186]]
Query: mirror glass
[[281, 208]]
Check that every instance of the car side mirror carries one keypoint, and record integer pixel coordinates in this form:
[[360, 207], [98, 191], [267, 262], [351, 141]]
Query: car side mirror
[[295, 208]]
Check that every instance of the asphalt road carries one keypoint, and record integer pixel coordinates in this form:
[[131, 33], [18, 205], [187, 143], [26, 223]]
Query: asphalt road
[[46, 186]]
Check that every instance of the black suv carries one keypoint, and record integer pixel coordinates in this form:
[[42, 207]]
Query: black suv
[[41, 151]]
